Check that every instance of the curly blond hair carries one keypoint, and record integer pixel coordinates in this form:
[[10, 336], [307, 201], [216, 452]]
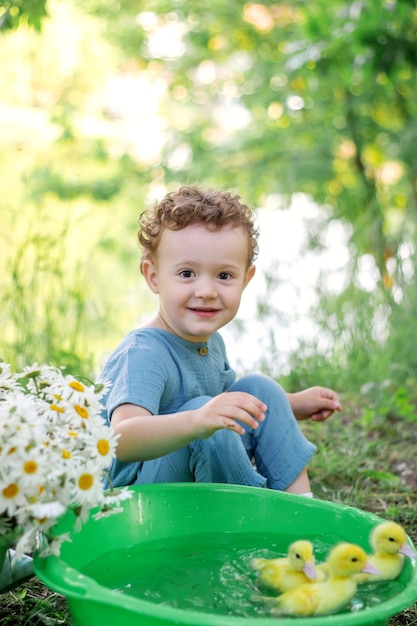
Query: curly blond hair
[[191, 205]]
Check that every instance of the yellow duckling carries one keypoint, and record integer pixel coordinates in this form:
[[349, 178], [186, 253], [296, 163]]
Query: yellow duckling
[[287, 572], [321, 598], [389, 544]]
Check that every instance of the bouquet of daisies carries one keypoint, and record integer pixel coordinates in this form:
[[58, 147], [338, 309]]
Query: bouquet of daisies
[[54, 451]]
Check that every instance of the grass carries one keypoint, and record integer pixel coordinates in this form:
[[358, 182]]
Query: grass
[[366, 461], [33, 604]]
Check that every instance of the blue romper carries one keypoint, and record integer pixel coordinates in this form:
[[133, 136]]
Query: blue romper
[[165, 374]]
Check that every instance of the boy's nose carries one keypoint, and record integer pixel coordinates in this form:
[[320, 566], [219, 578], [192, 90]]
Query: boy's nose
[[205, 288]]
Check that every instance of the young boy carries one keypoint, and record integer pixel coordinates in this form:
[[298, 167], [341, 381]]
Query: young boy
[[175, 402]]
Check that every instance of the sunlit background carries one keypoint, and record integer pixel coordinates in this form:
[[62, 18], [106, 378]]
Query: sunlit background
[[105, 109]]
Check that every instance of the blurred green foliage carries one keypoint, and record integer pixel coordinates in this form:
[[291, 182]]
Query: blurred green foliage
[[69, 268], [302, 97], [14, 13], [265, 98]]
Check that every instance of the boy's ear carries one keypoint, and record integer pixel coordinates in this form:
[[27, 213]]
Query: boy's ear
[[250, 273], [151, 275]]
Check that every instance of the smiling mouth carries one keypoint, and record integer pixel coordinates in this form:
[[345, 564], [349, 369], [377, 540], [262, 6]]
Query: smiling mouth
[[200, 308], [204, 312]]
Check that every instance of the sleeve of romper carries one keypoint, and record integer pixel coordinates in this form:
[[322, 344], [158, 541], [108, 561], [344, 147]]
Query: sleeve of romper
[[136, 373], [137, 376]]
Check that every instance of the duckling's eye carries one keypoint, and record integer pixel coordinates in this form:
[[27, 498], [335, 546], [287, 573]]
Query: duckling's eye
[[354, 559], [297, 556], [391, 539]]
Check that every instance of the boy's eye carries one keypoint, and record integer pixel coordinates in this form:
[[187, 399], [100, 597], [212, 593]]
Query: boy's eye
[[224, 275], [186, 273]]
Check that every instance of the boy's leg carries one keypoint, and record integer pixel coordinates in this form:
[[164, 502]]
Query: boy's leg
[[278, 446], [280, 449], [301, 485]]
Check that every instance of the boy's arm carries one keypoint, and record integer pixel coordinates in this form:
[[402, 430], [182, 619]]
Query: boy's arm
[[144, 436]]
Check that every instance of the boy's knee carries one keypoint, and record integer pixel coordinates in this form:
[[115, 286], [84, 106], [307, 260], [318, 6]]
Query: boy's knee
[[195, 403], [259, 385]]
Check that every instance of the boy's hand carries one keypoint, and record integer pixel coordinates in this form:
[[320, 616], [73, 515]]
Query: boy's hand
[[316, 403], [224, 410]]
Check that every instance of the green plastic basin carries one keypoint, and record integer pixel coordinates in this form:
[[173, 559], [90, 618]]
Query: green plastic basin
[[105, 553]]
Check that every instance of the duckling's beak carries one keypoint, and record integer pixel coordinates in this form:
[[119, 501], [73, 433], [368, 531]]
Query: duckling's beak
[[310, 571], [407, 551], [370, 569]]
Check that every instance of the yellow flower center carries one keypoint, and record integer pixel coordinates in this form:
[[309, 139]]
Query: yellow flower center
[[81, 410], [72, 433], [12, 450], [103, 447], [74, 384], [85, 482], [11, 491], [66, 454], [30, 467], [56, 408]]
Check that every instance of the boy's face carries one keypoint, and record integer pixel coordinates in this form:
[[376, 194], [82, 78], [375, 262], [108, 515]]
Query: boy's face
[[199, 276]]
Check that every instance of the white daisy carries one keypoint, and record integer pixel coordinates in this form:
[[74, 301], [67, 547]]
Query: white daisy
[[53, 509], [106, 512], [12, 495], [8, 381], [53, 545], [88, 486], [73, 390], [101, 388], [54, 449], [104, 443], [25, 543]]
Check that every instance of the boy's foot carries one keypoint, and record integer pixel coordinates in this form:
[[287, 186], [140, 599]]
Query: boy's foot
[[15, 573]]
